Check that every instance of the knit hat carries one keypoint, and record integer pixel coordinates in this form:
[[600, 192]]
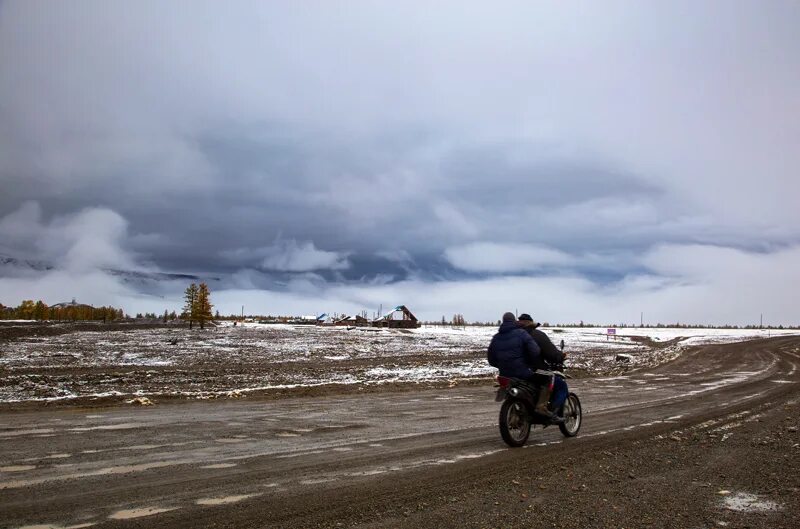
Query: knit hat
[[509, 316], [525, 318]]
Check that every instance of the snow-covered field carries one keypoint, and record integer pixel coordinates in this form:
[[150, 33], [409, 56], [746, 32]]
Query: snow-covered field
[[230, 360]]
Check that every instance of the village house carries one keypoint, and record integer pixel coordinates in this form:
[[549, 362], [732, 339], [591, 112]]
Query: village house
[[399, 318], [352, 321]]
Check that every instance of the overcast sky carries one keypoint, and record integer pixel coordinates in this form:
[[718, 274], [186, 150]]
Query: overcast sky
[[578, 161]]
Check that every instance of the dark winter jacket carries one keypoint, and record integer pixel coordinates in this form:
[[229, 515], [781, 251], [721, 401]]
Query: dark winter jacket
[[513, 351], [549, 351]]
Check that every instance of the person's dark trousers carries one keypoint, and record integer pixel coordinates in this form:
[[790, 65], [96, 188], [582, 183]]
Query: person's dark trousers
[[560, 392]]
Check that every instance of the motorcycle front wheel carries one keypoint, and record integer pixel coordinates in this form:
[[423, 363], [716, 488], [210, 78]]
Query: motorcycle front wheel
[[515, 423], [573, 416]]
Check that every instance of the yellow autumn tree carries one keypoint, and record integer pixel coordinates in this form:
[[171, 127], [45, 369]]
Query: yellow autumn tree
[[190, 305], [204, 305]]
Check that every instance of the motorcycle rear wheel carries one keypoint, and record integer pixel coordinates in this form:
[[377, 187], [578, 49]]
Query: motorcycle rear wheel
[[573, 416], [515, 423]]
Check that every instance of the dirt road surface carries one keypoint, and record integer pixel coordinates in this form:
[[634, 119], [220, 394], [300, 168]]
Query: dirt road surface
[[708, 440]]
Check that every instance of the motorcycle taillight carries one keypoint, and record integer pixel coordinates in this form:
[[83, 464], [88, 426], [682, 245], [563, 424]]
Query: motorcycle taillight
[[503, 381]]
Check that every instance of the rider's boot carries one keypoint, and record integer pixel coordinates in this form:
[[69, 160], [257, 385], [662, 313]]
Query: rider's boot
[[542, 409]]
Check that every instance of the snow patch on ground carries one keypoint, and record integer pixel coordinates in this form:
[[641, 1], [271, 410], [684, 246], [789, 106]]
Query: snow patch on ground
[[230, 361], [746, 502]]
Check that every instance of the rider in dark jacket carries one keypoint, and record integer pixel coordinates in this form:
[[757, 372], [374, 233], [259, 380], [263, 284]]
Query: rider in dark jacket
[[550, 353], [512, 350], [515, 353]]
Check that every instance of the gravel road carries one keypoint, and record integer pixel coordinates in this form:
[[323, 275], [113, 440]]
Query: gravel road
[[708, 440]]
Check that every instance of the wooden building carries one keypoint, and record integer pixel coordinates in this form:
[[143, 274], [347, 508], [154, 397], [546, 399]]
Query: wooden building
[[352, 321], [399, 318]]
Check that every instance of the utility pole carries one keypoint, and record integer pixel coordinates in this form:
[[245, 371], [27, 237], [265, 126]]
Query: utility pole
[[641, 319], [242, 312]]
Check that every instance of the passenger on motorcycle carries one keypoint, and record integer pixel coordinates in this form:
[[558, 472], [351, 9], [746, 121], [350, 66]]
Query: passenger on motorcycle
[[515, 353], [550, 353]]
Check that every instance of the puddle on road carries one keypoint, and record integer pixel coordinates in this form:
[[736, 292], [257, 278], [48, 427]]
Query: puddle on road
[[316, 481], [299, 454], [220, 465], [374, 472], [745, 502], [140, 447], [139, 513], [135, 468], [17, 468], [34, 431], [53, 526], [100, 472], [224, 500], [121, 426], [51, 456]]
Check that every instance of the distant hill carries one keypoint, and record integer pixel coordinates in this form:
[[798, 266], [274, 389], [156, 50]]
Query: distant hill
[[41, 266], [126, 276]]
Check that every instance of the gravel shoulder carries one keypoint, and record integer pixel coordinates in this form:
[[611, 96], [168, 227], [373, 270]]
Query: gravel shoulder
[[739, 471]]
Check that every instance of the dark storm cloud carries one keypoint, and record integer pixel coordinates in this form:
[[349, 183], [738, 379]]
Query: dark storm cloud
[[311, 147]]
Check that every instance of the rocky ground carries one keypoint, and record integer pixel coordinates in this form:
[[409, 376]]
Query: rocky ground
[[741, 471]]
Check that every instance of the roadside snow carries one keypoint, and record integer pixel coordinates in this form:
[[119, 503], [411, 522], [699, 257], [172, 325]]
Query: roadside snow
[[252, 356]]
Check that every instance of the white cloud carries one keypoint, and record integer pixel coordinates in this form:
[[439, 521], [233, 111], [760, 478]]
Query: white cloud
[[92, 238], [291, 256], [505, 257], [90, 287]]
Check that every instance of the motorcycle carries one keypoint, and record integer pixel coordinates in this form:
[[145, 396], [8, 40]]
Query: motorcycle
[[517, 415]]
